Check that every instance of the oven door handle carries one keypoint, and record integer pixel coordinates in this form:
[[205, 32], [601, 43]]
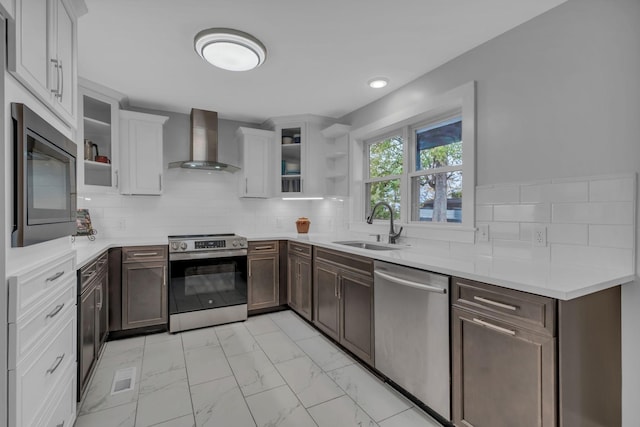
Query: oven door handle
[[206, 254]]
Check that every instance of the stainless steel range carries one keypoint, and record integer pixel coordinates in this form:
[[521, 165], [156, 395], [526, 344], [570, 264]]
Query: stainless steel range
[[207, 280]]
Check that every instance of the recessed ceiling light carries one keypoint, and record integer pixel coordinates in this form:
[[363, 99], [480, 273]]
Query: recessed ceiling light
[[378, 82], [229, 49]]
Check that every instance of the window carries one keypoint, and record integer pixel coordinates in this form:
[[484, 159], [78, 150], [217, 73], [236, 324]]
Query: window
[[421, 160], [436, 182], [385, 167]]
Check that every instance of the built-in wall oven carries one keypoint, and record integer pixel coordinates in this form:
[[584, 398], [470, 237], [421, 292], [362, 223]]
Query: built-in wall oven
[[207, 280]]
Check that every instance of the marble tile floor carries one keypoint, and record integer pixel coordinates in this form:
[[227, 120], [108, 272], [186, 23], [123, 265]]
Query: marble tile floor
[[272, 370]]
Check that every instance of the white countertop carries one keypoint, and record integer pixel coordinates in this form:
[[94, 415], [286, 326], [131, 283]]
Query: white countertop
[[563, 282]]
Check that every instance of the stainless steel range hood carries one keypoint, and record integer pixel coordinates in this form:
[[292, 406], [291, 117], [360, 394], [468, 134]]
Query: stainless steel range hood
[[204, 143]]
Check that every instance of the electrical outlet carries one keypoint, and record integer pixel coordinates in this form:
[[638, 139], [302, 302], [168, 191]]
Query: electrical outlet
[[539, 235], [483, 233]]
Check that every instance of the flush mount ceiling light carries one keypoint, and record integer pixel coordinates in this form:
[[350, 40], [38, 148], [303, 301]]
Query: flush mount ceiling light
[[229, 49], [378, 82]]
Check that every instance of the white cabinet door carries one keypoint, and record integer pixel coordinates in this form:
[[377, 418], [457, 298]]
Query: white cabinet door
[[98, 124], [141, 148], [255, 146], [42, 45], [64, 51], [28, 45]]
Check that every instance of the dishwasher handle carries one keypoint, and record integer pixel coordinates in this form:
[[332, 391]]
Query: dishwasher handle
[[404, 282]]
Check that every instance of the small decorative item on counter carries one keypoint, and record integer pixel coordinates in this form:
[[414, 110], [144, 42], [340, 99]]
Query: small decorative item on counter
[[302, 224], [287, 140], [83, 225], [296, 138]]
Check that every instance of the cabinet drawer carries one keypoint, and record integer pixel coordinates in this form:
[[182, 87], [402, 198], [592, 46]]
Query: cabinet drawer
[[270, 246], [300, 249], [537, 313], [27, 290], [351, 262], [63, 411], [25, 335], [34, 379], [144, 253]]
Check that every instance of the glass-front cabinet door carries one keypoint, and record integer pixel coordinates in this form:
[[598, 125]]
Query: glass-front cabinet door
[[292, 168], [98, 145]]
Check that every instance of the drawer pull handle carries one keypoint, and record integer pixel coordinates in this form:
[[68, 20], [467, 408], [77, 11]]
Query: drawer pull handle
[[55, 311], [262, 248], [494, 327], [55, 276], [57, 363], [299, 249], [145, 254], [495, 303]]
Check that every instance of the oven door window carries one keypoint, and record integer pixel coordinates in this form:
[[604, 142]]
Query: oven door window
[[49, 182], [204, 284]]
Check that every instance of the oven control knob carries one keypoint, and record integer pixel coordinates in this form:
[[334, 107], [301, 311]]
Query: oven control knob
[[183, 246], [235, 243], [174, 246]]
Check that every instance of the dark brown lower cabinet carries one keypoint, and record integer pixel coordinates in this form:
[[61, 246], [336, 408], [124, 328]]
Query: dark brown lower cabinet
[[93, 325], [530, 361], [343, 300], [263, 285], [299, 279], [506, 374], [144, 286]]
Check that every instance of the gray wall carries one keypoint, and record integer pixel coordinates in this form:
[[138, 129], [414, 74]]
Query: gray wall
[[558, 96]]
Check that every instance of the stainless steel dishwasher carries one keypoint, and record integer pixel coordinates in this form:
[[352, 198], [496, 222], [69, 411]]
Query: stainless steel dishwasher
[[412, 332]]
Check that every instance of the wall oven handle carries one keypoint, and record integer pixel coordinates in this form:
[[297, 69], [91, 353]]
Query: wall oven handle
[[494, 327], [410, 283], [55, 276]]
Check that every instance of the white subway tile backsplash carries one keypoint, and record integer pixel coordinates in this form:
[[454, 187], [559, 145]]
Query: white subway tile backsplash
[[592, 255], [593, 213], [484, 213], [612, 236], [498, 194], [605, 190], [522, 213], [555, 192], [512, 249], [573, 234], [504, 230]]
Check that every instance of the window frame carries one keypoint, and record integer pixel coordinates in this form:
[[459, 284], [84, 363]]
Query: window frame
[[367, 168], [459, 100], [412, 172]]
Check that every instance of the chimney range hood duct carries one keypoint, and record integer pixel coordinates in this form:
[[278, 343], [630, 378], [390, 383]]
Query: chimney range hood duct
[[204, 143]]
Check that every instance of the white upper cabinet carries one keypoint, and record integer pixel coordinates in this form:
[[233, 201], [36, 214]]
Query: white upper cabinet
[[43, 52], [256, 148], [98, 138], [141, 153], [300, 146]]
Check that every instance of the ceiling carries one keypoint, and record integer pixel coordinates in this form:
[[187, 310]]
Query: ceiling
[[320, 53]]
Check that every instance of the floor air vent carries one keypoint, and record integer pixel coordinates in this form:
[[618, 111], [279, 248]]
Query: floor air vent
[[123, 380]]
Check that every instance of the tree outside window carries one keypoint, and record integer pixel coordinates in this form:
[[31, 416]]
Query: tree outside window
[[384, 179], [437, 182]]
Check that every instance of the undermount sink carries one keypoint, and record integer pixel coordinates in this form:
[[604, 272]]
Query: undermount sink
[[368, 245]]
